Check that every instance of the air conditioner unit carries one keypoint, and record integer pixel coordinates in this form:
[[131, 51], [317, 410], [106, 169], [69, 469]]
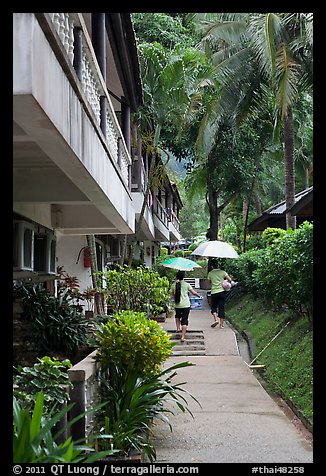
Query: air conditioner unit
[[23, 246], [44, 252]]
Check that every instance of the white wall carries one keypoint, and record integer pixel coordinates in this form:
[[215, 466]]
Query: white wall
[[68, 248]]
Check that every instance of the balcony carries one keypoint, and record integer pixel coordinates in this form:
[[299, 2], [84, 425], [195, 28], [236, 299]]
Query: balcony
[[161, 222], [138, 185], [64, 164], [174, 226]]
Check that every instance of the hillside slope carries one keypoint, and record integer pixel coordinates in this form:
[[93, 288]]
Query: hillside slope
[[288, 358]]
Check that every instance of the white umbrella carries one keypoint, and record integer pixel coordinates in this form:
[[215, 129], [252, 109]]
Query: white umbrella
[[215, 249]]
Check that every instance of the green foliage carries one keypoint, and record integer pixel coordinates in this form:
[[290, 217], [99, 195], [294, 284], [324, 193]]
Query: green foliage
[[130, 340], [139, 290], [243, 268], [56, 322], [164, 251], [161, 27], [281, 273], [33, 441], [131, 351], [49, 376], [269, 235], [289, 358], [285, 270], [133, 404]]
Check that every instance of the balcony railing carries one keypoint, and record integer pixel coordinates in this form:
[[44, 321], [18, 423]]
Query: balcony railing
[[160, 212], [173, 219], [93, 87]]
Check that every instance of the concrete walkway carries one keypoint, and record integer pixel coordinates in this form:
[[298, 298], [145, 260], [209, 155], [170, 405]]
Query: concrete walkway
[[238, 421]]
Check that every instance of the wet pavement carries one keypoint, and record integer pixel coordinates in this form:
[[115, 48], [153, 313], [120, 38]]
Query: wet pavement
[[238, 421]]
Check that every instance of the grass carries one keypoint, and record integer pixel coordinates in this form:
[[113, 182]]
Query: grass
[[288, 359]]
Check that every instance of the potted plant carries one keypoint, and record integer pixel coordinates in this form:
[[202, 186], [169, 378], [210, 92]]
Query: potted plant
[[88, 296]]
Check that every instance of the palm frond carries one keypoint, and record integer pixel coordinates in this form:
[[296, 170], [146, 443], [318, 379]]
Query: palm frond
[[286, 79]]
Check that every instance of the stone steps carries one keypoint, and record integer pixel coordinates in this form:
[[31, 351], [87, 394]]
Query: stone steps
[[193, 345]]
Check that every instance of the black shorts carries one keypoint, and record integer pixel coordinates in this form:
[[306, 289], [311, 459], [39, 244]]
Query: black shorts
[[182, 313], [218, 302]]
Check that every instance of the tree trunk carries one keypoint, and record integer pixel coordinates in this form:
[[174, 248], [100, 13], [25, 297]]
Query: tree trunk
[[212, 199], [289, 167], [94, 270], [123, 250], [246, 205], [213, 216]]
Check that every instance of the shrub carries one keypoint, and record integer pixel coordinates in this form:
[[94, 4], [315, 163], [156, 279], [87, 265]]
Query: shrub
[[130, 340], [286, 271], [139, 290], [269, 235], [282, 272], [57, 324], [49, 376]]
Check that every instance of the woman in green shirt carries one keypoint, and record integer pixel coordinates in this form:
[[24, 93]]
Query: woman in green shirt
[[180, 291], [218, 293]]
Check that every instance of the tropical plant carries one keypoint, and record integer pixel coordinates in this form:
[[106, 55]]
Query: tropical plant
[[256, 54], [48, 375], [130, 340], [88, 295], [171, 88], [33, 441], [139, 290], [57, 324], [135, 403], [164, 28], [282, 272]]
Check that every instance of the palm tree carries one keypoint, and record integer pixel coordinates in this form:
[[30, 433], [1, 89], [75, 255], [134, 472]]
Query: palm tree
[[256, 53], [171, 80]]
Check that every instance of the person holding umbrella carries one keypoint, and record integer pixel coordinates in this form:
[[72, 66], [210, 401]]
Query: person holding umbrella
[[180, 290], [217, 278]]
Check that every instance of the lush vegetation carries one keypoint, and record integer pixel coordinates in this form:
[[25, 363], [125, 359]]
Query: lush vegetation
[[134, 403], [57, 322], [228, 92], [134, 389], [139, 290], [48, 375], [36, 438], [131, 339], [288, 358], [282, 272]]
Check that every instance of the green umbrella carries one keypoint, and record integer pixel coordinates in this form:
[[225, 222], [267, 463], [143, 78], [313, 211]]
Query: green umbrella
[[182, 264]]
